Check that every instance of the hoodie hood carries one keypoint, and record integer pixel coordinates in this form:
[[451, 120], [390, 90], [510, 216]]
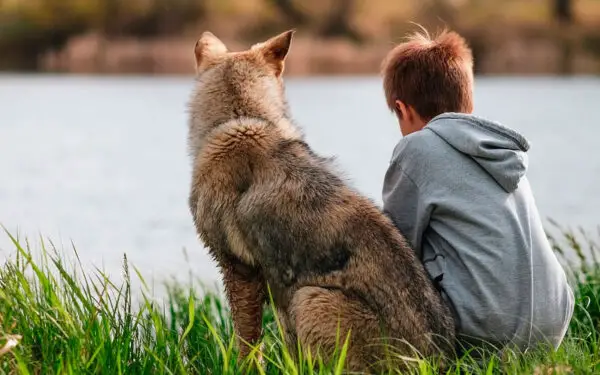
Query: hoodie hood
[[500, 151]]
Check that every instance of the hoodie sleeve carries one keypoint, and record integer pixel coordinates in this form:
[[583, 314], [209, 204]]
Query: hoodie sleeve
[[403, 203]]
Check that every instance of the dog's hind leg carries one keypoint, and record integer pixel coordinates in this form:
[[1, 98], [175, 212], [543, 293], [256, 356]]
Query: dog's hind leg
[[324, 317]]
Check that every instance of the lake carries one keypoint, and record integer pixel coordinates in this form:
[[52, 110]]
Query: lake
[[102, 161]]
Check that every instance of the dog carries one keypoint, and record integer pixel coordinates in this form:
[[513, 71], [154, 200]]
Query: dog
[[279, 219]]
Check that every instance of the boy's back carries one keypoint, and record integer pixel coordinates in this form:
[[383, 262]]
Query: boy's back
[[457, 189]]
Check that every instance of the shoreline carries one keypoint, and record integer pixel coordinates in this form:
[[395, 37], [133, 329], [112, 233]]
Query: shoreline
[[515, 55]]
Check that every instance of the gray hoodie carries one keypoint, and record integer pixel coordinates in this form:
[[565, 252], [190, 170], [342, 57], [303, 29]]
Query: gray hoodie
[[457, 190]]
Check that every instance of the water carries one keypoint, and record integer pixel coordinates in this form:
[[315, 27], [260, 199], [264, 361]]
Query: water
[[102, 162]]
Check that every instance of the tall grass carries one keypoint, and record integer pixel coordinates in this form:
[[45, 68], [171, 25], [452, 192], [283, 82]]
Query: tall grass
[[57, 319]]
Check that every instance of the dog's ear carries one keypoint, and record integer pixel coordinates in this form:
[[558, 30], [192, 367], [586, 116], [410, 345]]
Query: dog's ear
[[207, 49], [276, 49]]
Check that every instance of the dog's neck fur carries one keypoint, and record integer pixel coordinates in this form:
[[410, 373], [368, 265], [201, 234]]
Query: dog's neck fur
[[264, 102]]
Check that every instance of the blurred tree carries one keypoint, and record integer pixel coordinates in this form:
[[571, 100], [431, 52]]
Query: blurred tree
[[338, 21], [165, 17], [150, 18], [563, 10], [563, 13], [30, 28], [290, 11]]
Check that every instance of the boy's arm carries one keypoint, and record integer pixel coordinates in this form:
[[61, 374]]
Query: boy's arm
[[403, 203]]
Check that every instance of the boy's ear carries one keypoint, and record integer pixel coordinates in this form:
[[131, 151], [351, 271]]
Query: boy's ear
[[207, 49], [275, 50], [402, 109]]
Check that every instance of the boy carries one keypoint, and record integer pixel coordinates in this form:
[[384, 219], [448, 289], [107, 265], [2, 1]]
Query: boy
[[456, 188]]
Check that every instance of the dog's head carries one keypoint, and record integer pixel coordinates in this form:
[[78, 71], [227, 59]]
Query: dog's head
[[238, 84], [267, 57]]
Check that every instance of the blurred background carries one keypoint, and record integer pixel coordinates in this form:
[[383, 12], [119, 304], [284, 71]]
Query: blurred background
[[93, 101], [335, 36]]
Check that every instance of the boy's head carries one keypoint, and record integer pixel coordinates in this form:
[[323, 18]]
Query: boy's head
[[424, 77]]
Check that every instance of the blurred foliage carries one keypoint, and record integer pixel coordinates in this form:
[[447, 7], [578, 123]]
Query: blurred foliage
[[113, 17], [31, 28]]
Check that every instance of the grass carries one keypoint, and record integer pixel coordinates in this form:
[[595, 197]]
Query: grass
[[57, 319]]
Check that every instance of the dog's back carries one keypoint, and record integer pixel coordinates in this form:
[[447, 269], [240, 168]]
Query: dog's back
[[274, 213]]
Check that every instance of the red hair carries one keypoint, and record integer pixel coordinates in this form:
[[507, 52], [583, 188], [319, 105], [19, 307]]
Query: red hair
[[433, 75]]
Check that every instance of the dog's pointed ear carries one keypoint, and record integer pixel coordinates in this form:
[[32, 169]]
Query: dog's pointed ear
[[207, 49], [275, 50]]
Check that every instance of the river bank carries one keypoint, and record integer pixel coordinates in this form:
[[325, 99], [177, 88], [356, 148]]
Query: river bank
[[344, 37], [528, 52]]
